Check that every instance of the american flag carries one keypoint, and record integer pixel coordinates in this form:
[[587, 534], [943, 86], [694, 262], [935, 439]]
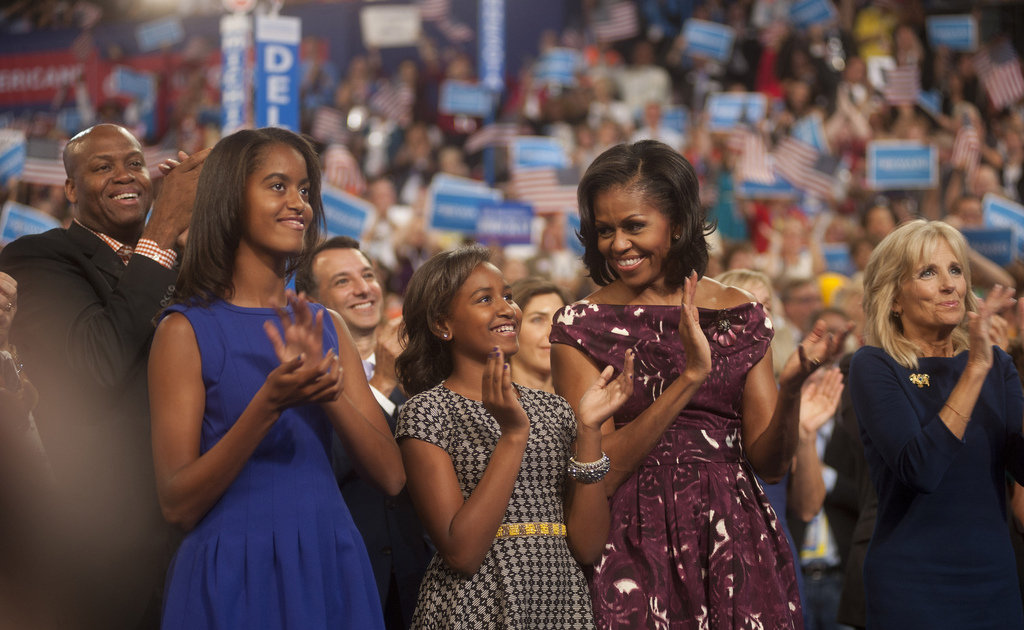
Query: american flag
[[902, 85], [619, 22], [393, 102], [43, 164], [434, 10], [544, 189], [493, 135], [753, 164], [1000, 72], [966, 148], [342, 170], [329, 126], [805, 168]]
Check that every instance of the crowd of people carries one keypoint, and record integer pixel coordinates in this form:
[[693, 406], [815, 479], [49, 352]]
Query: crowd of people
[[731, 410]]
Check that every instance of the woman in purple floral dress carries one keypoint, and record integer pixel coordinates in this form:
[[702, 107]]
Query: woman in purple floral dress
[[694, 542]]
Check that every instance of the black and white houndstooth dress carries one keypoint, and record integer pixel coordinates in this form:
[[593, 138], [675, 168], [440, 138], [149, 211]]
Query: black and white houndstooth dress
[[525, 582]]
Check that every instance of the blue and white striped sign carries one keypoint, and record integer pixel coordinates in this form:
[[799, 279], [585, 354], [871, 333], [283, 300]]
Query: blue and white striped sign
[[956, 32], [344, 214], [779, 189], [278, 72], [533, 151], [492, 44], [1000, 212], [17, 220], [505, 224], [810, 130], [727, 109], [235, 30], [804, 13], [12, 154], [470, 99], [902, 165], [558, 66], [709, 40], [126, 81]]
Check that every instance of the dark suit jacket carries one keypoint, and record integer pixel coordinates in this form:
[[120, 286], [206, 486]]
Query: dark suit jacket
[[394, 537], [83, 330]]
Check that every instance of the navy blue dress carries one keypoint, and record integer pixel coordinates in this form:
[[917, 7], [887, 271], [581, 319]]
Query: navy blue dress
[[940, 556], [278, 549]]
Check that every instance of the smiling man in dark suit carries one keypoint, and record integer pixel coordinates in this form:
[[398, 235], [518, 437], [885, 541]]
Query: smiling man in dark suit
[[88, 295]]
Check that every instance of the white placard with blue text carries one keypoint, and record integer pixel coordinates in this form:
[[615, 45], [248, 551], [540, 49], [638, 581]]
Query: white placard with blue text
[[709, 40], [17, 220], [804, 13], [956, 32], [727, 109], [902, 165], [344, 214], [492, 44], [12, 153], [534, 151], [558, 66], [1000, 212], [235, 32], [505, 224], [470, 99], [278, 72]]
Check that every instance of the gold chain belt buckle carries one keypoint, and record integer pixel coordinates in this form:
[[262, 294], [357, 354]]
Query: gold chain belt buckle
[[530, 529]]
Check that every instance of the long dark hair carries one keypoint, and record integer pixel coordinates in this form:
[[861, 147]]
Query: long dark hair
[[427, 359], [208, 262], [665, 180]]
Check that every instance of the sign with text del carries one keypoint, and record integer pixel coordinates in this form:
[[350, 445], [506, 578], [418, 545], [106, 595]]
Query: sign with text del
[[278, 73]]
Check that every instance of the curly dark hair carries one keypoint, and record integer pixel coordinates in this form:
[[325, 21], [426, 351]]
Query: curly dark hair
[[215, 231], [427, 359], [665, 180]]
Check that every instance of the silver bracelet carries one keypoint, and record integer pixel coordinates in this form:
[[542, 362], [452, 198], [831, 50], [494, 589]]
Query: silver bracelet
[[589, 472]]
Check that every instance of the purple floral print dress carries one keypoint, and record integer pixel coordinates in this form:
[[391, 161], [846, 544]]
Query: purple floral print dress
[[694, 542]]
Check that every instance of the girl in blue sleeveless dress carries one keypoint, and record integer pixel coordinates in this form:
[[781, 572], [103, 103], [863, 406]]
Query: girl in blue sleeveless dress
[[246, 382]]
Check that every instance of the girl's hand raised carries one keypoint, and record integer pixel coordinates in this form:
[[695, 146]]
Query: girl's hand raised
[[695, 343], [605, 396], [300, 382], [500, 399], [301, 333], [980, 326]]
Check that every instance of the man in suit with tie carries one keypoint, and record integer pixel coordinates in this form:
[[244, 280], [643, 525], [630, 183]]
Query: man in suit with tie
[[341, 277], [87, 299]]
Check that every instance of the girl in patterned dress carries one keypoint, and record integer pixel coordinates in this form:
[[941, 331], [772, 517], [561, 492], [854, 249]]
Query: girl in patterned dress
[[693, 542], [487, 460]]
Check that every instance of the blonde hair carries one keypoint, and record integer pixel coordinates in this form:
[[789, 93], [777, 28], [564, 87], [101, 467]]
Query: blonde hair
[[744, 278], [890, 265]]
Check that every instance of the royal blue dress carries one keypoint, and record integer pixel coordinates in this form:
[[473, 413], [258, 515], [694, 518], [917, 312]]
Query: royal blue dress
[[279, 548], [940, 556]]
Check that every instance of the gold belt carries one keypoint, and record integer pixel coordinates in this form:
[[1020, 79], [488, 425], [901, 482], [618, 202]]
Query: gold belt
[[530, 529]]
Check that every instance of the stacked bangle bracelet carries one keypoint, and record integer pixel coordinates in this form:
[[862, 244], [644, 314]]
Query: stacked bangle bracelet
[[589, 472]]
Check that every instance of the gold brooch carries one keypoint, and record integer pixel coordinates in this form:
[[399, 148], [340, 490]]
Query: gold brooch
[[921, 380]]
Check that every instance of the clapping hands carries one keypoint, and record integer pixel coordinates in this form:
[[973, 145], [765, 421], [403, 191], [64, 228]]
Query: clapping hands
[[605, 396]]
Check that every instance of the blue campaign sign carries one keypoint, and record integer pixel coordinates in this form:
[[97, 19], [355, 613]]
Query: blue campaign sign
[[727, 109], [492, 44], [278, 72], [930, 101], [708, 39], [443, 182], [810, 130], [804, 13], [558, 66], [572, 228], [779, 189], [18, 220], [996, 244], [456, 213], [507, 223], [234, 93], [902, 165], [533, 151], [470, 99], [344, 214], [837, 258], [956, 32], [12, 154], [159, 33], [129, 82], [1000, 212], [676, 119]]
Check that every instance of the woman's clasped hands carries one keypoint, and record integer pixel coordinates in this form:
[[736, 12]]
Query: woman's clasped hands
[[306, 374]]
